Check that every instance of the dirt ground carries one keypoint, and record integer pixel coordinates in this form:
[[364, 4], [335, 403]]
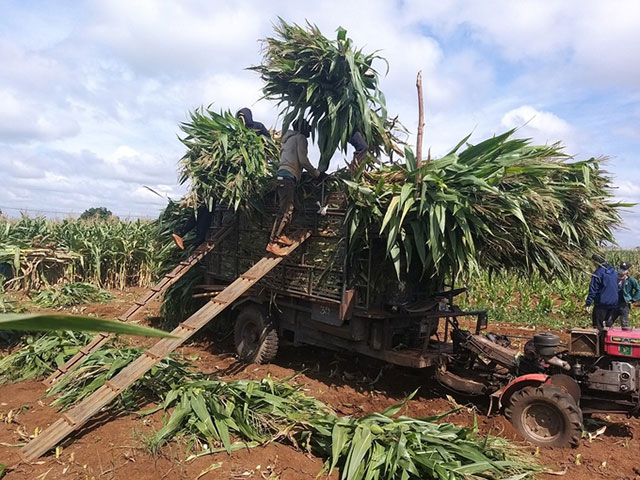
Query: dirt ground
[[113, 447]]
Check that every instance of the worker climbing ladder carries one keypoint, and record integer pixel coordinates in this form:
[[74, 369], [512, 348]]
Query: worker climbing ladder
[[77, 416], [158, 289]]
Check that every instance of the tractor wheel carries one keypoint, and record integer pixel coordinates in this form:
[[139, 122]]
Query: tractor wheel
[[546, 416], [255, 336]]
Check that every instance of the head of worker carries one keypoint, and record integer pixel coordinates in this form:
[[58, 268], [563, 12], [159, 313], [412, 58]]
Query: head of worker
[[623, 270], [246, 116], [302, 126]]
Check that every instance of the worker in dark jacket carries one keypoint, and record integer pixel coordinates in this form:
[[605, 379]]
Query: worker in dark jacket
[[247, 117], [603, 294], [628, 292], [361, 147], [201, 220]]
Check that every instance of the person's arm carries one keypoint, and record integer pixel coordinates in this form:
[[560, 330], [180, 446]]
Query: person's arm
[[303, 158], [594, 288], [262, 130], [635, 290]]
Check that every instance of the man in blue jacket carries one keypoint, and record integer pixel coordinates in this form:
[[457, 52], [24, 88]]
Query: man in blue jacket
[[603, 294]]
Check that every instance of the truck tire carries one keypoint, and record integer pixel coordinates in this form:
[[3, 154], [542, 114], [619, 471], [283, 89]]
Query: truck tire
[[546, 416], [255, 336]]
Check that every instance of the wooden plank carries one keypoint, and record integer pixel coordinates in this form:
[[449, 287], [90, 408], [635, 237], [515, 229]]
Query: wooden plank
[[156, 290]]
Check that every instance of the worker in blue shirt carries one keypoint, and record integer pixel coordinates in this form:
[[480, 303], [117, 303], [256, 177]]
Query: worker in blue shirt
[[602, 300]]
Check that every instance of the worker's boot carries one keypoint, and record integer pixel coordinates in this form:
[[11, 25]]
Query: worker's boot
[[177, 239], [284, 240], [275, 249]]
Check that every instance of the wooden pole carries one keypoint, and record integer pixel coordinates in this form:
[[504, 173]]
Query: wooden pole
[[420, 120]]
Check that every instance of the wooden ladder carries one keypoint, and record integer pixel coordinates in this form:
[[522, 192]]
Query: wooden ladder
[[159, 288], [77, 416]]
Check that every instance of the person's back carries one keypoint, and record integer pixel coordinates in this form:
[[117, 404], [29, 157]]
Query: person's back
[[603, 293], [293, 157]]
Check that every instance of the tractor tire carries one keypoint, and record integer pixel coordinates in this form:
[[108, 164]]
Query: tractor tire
[[546, 416], [255, 336]]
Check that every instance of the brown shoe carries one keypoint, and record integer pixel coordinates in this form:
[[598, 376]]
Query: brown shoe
[[177, 239], [284, 240], [275, 249]]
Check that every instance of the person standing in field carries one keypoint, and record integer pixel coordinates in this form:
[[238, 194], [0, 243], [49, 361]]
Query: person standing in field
[[603, 294], [201, 219], [628, 292], [293, 159]]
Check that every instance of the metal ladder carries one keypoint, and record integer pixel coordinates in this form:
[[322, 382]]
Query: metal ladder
[[159, 288], [81, 413]]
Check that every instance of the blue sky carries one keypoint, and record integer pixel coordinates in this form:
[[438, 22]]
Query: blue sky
[[91, 93]]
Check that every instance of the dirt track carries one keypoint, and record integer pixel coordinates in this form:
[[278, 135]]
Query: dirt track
[[114, 447]]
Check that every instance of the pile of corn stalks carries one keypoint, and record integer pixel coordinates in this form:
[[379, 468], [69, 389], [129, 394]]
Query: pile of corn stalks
[[225, 161], [502, 204], [329, 82]]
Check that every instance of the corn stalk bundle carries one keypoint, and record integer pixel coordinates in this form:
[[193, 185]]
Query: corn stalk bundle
[[41, 354], [376, 446], [70, 295], [500, 204], [329, 82], [225, 161]]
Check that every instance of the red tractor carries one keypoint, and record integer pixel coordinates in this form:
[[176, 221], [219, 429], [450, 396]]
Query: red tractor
[[546, 390]]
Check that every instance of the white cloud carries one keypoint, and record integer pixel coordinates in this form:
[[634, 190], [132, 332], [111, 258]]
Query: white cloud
[[543, 127], [92, 94]]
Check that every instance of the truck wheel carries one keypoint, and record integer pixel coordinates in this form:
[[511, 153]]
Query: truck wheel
[[255, 336], [546, 416]]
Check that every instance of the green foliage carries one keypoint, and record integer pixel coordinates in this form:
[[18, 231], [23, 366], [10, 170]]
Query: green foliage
[[29, 322], [41, 355], [111, 254], [502, 204], [225, 161], [374, 447], [71, 294], [105, 364], [96, 213], [534, 301], [330, 82]]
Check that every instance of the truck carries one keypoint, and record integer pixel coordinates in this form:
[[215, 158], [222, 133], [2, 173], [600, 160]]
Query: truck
[[328, 295]]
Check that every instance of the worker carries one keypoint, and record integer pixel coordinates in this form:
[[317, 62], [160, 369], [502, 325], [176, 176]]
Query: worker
[[603, 294], [201, 220], [361, 147], [293, 159], [628, 292], [246, 116]]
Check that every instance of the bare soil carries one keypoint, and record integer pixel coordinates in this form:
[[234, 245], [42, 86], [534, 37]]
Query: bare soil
[[113, 446]]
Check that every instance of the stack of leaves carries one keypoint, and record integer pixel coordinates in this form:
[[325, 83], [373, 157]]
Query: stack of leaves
[[372, 447], [104, 364], [502, 204], [70, 295], [41, 354], [225, 161], [329, 82]]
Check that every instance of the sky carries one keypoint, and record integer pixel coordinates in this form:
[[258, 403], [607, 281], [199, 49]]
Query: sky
[[92, 92]]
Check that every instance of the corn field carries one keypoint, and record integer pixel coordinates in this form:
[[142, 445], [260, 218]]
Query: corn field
[[534, 301], [37, 253]]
